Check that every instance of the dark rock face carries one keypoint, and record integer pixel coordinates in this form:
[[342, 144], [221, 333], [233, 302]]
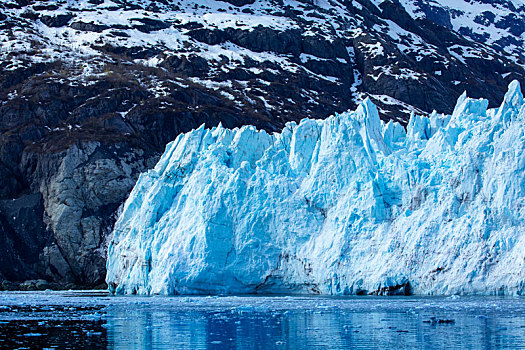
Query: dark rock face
[[21, 231], [436, 14], [56, 21], [88, 27], [259, 39], [239, 2], [80, 120], [82, 186], [148, 25]]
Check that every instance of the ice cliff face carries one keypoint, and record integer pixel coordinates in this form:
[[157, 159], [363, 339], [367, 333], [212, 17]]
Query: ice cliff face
[[346, 205]]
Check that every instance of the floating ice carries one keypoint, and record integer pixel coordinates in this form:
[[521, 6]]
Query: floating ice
[[345, 205]]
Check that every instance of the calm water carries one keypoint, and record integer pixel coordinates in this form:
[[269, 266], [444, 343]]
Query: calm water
[[75, 320]]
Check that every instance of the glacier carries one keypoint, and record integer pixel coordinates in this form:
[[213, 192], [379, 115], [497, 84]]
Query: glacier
[[345, 205]]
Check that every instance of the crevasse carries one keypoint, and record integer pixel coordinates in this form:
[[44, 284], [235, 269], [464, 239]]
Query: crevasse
[[346, 205]]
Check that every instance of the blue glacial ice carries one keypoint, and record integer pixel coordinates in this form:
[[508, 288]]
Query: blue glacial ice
[[346, 205]]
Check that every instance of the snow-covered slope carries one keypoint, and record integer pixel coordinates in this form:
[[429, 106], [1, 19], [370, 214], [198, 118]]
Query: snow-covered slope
[[500, 24], [338, 52], [346, 205]]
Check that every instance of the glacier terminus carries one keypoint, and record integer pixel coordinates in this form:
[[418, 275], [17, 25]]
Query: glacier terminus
[[345, 205]]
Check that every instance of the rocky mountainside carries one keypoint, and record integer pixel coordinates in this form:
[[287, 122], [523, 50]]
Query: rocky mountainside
[[498, 23], [93, 90]]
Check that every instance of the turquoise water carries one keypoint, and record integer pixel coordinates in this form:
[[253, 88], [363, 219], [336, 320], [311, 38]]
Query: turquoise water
[[73, 320]]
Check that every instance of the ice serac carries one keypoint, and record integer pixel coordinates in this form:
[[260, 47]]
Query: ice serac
[[345, 205]]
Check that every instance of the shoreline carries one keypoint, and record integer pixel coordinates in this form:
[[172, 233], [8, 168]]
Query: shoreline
[[43, 285]]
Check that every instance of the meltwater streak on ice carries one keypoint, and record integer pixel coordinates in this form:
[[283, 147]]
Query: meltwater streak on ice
[[345, 205]]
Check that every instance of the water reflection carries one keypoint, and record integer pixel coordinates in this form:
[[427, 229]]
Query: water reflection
[[333, 328], [75, 321]]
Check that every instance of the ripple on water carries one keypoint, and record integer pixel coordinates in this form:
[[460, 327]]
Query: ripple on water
[[72, 320]]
